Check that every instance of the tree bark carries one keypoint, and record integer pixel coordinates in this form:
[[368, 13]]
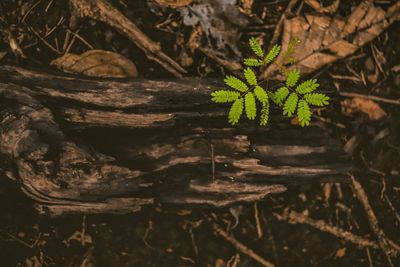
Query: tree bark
[[76, 144]]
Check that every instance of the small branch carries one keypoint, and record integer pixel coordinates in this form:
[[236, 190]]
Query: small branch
[[230, 65], [389, 247], [258, 221], [103, 11], [212, 162], [43, 40], [294, 217], [240, 246], [371, 97], [278, 27], [81, 39]]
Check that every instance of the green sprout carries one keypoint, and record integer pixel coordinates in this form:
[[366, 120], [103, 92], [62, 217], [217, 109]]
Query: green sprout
[[294, 98]]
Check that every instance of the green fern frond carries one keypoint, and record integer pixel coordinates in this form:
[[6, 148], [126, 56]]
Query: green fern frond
[[253, 62], [260, 94], [292, 78], [304, 113], [307, 86], [264, 114], [317, 99], [250, 105], [290, 105], [236, 83], [272, 54], [256, 47], [236, 111], [250, 76], [224, 96], [281, 94]]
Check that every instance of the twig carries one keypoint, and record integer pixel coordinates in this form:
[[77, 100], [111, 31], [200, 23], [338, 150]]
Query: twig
[[257, 219], [233, 261], [81, 39], [23, 242], [43, 40], [240, 246], [329, 121], [393, 208], [388, 246], [294, 217], [278, 27], [232, 66], [212, 162], [371, 97], [30, 10], [369, 257], [345, 77], [103, 11]]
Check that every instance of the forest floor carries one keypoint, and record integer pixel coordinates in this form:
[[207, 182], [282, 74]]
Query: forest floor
[[354, 224]]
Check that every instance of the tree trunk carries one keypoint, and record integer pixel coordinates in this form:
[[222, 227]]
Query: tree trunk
[[112, 146]]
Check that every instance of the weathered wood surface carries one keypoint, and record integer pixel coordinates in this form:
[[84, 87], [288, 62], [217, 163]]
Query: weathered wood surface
[[112, 146]]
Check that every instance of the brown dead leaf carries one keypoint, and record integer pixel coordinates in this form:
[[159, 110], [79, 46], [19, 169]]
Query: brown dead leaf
[[33, 262], [332, 8], [2, 54], [295, 121], [174, 3], [246, 6], [97, 63], [221, 21], [340, 253], [325, 40], [81, 237], [369, 107]]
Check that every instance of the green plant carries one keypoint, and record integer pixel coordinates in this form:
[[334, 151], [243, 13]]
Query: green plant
[[293, 97]]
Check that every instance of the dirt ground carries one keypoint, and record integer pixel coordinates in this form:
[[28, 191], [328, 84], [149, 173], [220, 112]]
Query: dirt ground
[[33, 34]]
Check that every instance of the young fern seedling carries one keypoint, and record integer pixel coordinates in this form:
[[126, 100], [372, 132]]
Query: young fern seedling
[[294, 98]]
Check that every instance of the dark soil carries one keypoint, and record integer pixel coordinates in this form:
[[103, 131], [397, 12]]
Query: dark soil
[[169, 236]]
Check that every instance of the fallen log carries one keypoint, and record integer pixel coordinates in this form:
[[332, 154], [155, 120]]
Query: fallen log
[[76, 144]]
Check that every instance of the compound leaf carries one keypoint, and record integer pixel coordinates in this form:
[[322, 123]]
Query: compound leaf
[[317, 99], [236, 111], [236, 83], [307, 86], [292, 78], [264, 114], [253, 62], [304, 113], [256, 47], [250, 104], [260, 94], [272, 54], [290, 105], [250, 76], [281, 94], [224, 96]]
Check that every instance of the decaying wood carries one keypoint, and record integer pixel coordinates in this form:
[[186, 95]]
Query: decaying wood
[[94, 146]]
